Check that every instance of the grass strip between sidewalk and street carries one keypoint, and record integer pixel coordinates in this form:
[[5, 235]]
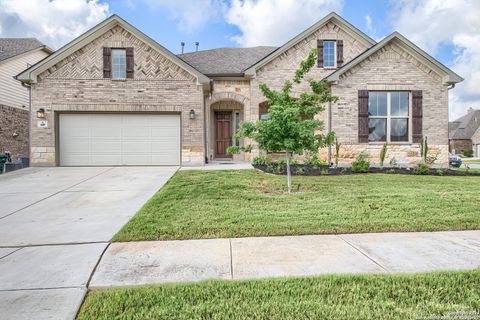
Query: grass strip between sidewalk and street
[[402, 297]]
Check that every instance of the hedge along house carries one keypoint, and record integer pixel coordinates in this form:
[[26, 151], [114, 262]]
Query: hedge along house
[[113, 96]]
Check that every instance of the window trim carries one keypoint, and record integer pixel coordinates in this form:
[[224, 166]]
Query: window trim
[[334, 54], [388, 117], [111, 63]]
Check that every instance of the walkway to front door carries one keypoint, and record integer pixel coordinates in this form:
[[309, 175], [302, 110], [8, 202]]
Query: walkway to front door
[[223, 133]]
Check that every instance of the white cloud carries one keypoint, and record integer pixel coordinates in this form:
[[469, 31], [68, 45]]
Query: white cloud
[[191, 15], [272, 22], [431, 23], [53, 22]]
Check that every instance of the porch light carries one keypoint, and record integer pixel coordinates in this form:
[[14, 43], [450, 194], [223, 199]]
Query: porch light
[[41, 113], [192, 114]]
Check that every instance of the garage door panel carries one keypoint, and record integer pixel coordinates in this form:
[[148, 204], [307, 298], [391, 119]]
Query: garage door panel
[[136, 146], [136, 132], [77, 145], [107, 132], [107, 146], [106, 159], [119, 139]]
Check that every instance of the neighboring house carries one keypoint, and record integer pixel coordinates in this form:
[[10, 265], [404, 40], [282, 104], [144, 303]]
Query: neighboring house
[[113, 96], [464, 133], [16, 54]]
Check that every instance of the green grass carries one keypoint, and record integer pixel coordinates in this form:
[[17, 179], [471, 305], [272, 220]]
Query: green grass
[[212, 204], [327, 297], [471, 161]]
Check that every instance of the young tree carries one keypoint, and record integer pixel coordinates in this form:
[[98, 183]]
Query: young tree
[[291, 127]]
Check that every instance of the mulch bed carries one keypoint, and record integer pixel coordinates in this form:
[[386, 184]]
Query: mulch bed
[[307, 170]]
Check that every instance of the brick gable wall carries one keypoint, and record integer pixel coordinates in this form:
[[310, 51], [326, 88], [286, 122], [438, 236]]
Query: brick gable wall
[[77, 84]]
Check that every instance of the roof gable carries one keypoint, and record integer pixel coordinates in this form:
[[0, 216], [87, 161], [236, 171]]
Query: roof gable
[[30, 75], [332, 17], [12, 47], [465, 126], [450, 77]]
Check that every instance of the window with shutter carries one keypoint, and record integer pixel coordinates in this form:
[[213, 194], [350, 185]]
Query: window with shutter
[[130, 62], [107, 62], [417, 116], [119, 64], [320, 53], [362, 116], [388, 116], [339, 53]]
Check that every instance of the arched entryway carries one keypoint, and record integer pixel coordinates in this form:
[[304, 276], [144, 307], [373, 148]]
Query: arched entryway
[[225, 116]]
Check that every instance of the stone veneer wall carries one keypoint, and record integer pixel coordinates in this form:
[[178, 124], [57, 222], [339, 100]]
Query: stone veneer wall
[[77, 84], [14, 121]]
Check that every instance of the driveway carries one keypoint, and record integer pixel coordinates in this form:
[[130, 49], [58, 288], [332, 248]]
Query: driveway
[[55, 224]]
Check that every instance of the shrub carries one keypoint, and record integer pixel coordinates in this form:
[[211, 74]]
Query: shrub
[[361, 163], [441, 172], [281, 162], [468, 153], [337, 151], [324, 172], [315, 162], [300, 171], [344, 171], [261, 161], [383, 154], [294, 163], [393, 162], [391, 171], [421, 169]]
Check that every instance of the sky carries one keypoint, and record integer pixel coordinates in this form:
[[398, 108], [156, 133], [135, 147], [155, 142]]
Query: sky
[[449, 30]]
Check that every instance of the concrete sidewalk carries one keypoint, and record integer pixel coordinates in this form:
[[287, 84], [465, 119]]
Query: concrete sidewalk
[[139, 263]]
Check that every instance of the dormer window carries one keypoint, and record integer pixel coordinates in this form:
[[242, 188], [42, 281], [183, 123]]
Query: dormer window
[[119, 64], [329, 54]]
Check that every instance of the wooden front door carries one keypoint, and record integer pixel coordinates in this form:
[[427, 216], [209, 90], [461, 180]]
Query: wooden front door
[[223, 133]]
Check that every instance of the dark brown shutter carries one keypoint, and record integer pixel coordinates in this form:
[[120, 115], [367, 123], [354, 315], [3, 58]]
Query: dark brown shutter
[[320, 53], [107, 62], [130, 62], [339, 53], [363, 116], [417, 115]]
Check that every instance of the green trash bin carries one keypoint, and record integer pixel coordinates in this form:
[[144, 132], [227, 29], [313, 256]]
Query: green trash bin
[[3, 159]]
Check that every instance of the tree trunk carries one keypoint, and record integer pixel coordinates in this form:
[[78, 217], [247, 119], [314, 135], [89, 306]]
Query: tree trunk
[[289, 174]]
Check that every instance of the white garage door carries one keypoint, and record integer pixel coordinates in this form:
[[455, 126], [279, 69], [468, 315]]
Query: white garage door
[[119, 139]]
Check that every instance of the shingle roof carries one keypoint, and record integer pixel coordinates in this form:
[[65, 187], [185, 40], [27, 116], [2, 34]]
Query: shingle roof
[[10, 47], [466, 126], [225, 61]]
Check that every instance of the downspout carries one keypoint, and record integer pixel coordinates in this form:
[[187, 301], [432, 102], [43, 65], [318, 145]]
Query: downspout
[[29, 88], [205, 145], [329, 152]]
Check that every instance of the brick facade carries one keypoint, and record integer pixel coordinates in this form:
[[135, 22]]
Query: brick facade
[[14, 131], [392, 68], [76, 84], [457, 146]]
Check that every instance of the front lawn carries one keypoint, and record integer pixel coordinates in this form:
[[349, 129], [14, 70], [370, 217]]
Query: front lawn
[[420, 296], [213, 204], [467, 161]]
